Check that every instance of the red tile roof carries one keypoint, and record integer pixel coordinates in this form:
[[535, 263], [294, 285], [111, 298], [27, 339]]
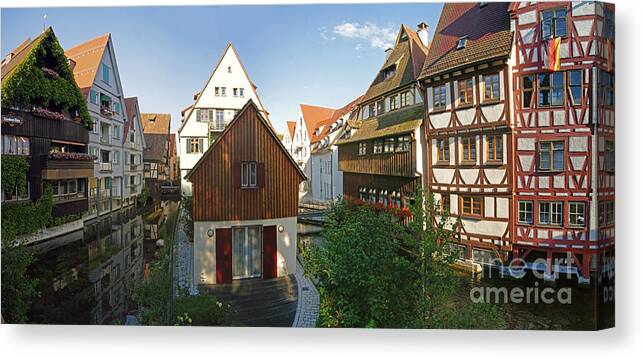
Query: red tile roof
[[291, 128], [87, 57], [487, 28], [312, 115], [156, 123]]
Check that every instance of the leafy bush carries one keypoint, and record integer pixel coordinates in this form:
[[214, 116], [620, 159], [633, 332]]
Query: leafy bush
[[27, 218], [14, 172], [200, 311]]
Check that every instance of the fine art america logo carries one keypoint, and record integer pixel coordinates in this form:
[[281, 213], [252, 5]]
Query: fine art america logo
[[533, 294]]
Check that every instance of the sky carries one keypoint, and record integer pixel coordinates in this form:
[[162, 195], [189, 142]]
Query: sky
[[323, 55]]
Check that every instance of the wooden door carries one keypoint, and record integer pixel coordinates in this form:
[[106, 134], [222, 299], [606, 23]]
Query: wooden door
[[269, 252], [223, 255]]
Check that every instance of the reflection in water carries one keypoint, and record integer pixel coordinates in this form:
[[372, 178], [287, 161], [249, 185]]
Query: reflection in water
[[85, 277]]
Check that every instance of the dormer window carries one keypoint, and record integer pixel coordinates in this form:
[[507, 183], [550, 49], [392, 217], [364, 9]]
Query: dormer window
[[388, 72], [461, 43], [483, 4]]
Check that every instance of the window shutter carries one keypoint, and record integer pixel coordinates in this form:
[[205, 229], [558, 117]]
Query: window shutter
[[188, 150], [260, 175], [200, 145], [236, 175]]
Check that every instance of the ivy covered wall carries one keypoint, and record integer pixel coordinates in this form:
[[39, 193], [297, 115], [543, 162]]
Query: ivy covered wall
[[44, 79]]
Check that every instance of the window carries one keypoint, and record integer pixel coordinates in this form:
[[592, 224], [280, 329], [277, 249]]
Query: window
[[525, 212], [381, 107], [553, 23], [388, 72], [373, 196], [551, 89], [362, 194], [469, 149], [394, 102], [116, 133], [471, 205], [116, 155], [235, 92], [388, 145], [403, 143], [93, 96], [195, 145], [405, 99], [609, 155], [217, 91], [551, 156], [105, 73], [465, 91], [248, 175], [528, 86], [241, 92], [223, 91], [383, 197], [550, 213], [204, 115], [607, 212], [13, 194], [495, 148], [443, 150], [15, 145], [220, 118], [609, 25], [378, 146], [229, 69], [607, 89], [576, 213], [491, 87], [439, 97], [574, 81], [363, 148], [371, 110], [116, 107], [395, 199], [461, 43]]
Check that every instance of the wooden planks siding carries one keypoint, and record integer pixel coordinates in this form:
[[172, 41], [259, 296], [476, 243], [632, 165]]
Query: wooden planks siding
[[395, 164], [217, 198], [353, 181]]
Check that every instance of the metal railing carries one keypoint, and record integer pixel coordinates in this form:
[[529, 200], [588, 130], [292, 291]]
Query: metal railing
[[105, 167], [217, 126]]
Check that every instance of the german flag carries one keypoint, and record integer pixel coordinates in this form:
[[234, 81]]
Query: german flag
[[554, 54]]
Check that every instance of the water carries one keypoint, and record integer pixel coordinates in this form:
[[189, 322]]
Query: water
[[86, 277]]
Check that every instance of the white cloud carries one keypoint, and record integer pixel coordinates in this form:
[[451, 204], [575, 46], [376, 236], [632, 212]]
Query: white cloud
[[377, 37]]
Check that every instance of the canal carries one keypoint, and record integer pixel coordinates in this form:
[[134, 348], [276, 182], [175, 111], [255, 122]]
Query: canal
[[86, 277]]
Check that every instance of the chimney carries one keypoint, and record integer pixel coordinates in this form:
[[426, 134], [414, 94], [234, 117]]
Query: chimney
[[72, 64], [422, 31], [388, 52]]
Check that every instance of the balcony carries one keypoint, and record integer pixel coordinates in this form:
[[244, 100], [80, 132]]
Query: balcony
[[217, 126], [133, 167], [106, 111], [105, 167], [66, 166], [105, 139]]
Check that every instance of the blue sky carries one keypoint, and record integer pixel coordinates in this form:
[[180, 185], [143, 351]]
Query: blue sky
[[315, 54]]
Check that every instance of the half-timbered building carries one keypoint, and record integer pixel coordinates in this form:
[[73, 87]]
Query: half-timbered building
[[245, 203], [382, 154], [563, 82], [466, 79]]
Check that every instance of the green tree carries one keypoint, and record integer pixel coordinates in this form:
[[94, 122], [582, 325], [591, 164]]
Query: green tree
[[373, 270]]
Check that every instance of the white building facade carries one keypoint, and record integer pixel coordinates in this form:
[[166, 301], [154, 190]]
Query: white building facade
[[133, 145], [226, 91]]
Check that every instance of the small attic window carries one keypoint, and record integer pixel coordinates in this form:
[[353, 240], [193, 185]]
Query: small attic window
[[388, 72], [461, 43], [404, 37], [229, 69], [483, 4]]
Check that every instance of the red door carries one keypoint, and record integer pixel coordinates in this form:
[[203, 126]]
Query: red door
[[269, 251], [223, 255]]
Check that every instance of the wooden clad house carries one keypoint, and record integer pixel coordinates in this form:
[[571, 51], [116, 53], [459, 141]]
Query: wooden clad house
[[50, 129], [466, 79], [245, 203], [382, 154], [563, 81]]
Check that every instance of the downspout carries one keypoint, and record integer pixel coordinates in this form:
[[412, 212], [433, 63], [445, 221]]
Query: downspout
[[595, 159]]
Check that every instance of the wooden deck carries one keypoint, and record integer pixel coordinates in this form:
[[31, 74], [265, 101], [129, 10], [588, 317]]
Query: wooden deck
[[258, 302]]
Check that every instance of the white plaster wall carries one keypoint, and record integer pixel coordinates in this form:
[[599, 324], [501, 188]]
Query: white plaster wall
[[205, 247]]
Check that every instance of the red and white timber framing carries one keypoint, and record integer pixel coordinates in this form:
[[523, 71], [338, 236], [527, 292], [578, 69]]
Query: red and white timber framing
[[583, 126]]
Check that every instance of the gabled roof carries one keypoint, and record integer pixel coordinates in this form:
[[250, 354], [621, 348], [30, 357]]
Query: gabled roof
[[336, 115], [15, 57], [156, 147], [291, 128], [198, 95], [312, 115], [249, 104], [87, 57], [156, 123], [133, 110], [407, 57], [488, 31]]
